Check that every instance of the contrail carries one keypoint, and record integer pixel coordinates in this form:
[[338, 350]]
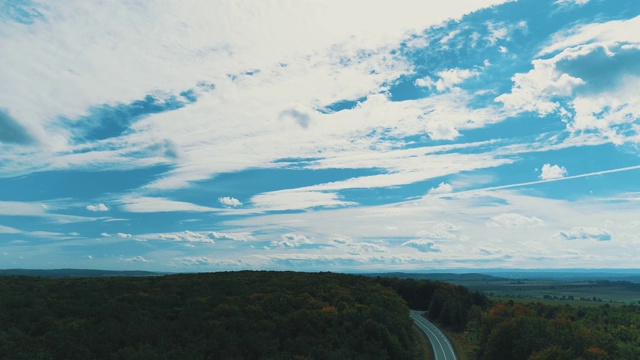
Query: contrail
[[636, 167]]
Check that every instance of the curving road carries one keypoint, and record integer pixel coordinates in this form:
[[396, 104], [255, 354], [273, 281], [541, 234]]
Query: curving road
[[442, 348]]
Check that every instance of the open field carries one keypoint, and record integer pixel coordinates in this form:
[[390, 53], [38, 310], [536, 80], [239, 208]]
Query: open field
[[579, 288], [578, 292]]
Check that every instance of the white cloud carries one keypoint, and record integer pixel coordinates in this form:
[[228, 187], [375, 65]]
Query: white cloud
[[452, 77], [8, 230], [245, 236], [46, 234], [253, 120], [198, 236], [571, 2], [291, 240], [96, 208], [210, 262], [423, 245], [269, 93], [615, 114], [442, 130], [538, 89], [455, 226], [441, 230], [445, 226], [496, 32], [601, 98], [196, 261], [517, 185], [296, 200], [425, 82], [356, 247], [513, 220], [404, 166], [170, 48], [118, 235], [188, 236], [16, 208], [144, 204], [448, 79], [603, 34], [550, 172], [584, 233], [443, 188], [446, 39], [136, 259], [44, 210], [229, 201]]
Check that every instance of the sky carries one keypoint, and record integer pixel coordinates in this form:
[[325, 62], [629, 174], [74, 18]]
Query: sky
[[191, 136]]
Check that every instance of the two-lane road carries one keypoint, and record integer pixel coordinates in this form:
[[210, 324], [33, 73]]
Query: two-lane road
[[442, 348]]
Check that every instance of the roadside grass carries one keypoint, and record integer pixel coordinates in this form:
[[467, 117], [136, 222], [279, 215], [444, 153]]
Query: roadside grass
[[426, 351], [463, 343]]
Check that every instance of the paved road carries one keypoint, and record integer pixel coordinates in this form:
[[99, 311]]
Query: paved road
[[442, 348]]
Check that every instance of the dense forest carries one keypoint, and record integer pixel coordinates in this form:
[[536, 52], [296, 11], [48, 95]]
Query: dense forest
[[291, 315], [447, 304], [232, 315], [537, 331], [505, 330]]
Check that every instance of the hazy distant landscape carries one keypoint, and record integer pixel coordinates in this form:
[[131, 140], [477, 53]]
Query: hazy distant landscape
[[551, 286]]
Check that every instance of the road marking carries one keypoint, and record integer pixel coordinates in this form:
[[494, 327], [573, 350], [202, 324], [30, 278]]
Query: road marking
[[427, 326], [435, 336]]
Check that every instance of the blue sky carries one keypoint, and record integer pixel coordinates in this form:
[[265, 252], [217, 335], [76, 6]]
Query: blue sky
[[324, 135]]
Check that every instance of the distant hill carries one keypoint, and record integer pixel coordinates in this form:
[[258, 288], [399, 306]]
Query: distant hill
[[75, 273], [630, 275], [439, 276]]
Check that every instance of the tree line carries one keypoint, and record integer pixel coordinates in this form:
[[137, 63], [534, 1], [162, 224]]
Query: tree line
[[226, 315], [291, 315]]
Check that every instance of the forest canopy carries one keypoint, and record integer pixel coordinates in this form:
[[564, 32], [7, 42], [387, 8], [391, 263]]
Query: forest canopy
[[226, 315]]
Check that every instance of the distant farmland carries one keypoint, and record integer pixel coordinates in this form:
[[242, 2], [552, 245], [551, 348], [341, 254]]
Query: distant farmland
[[553, 291]]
